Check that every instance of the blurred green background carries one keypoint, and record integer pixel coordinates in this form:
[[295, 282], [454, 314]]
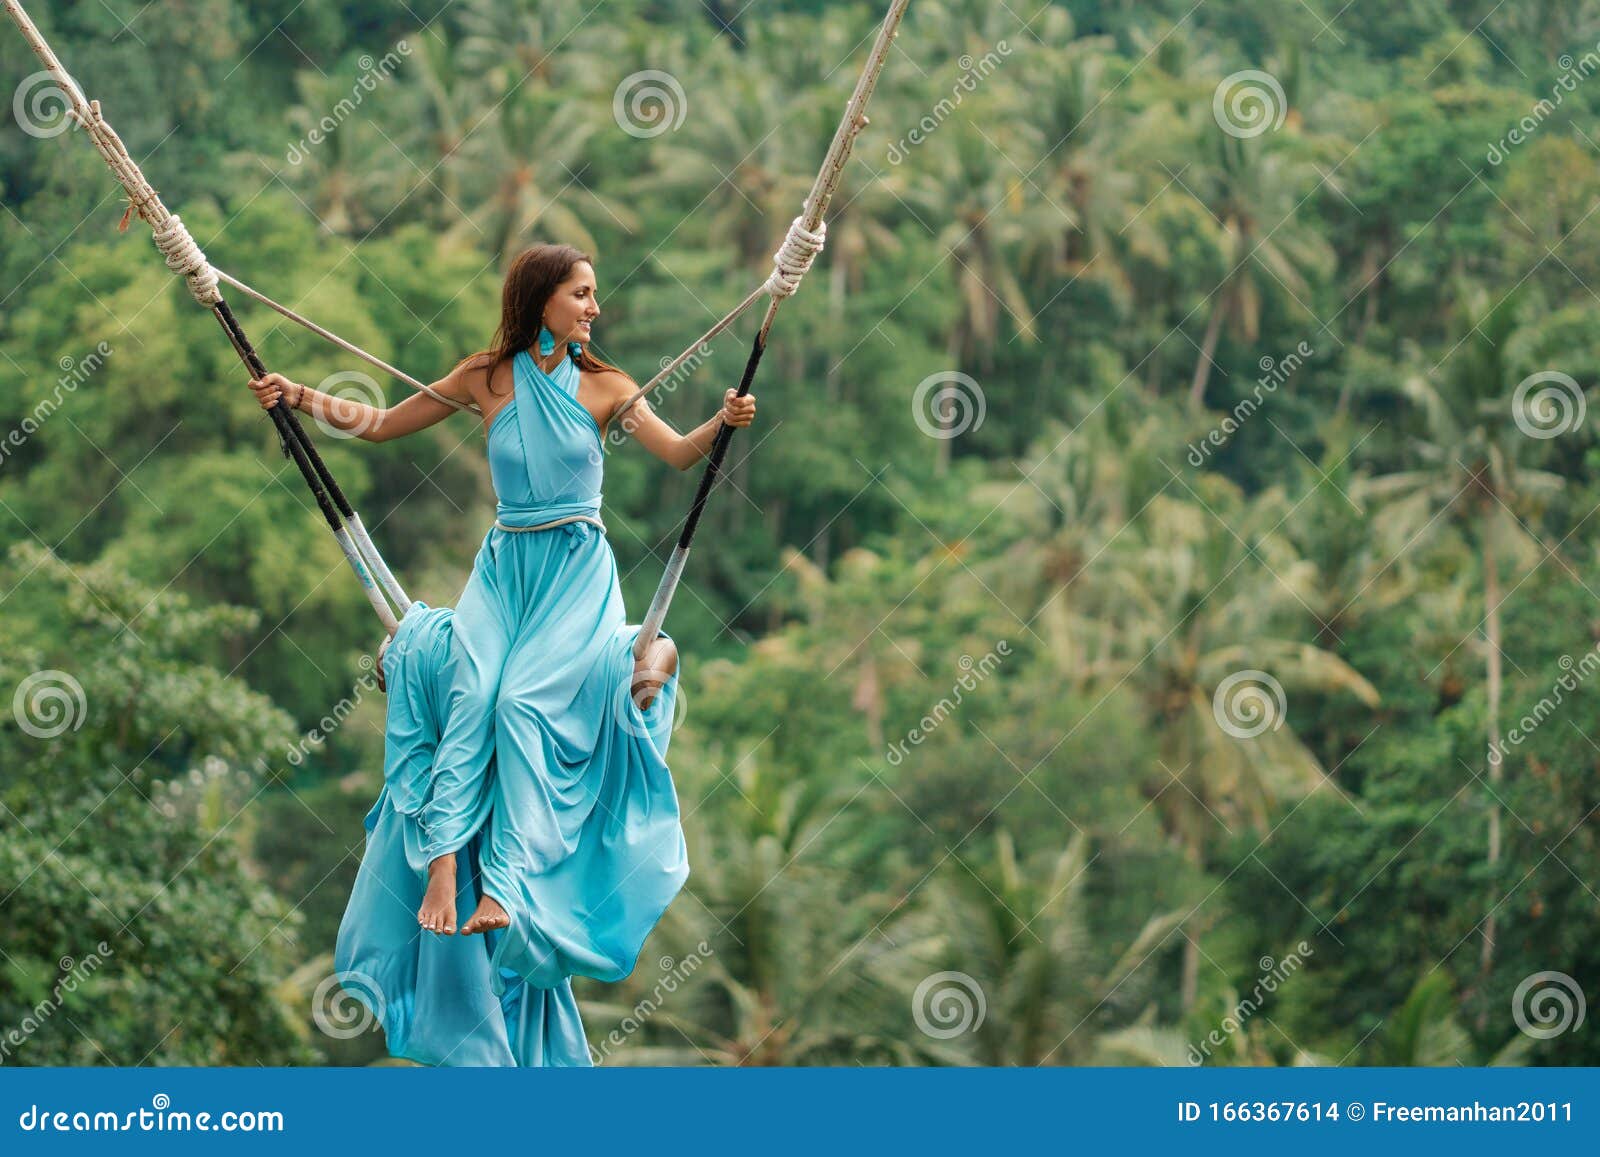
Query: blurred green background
[[1131, 704]]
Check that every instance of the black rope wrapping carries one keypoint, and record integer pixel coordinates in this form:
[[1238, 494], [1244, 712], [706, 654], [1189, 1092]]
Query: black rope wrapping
[[296, 442], [719, 447]]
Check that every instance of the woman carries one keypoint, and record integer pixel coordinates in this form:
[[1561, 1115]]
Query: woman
[[549, 742]]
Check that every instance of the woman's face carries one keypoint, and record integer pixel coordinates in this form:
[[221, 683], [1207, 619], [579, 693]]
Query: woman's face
[[572, 307]]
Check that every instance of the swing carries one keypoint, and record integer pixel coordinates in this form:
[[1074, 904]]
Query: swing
[[184, 257]]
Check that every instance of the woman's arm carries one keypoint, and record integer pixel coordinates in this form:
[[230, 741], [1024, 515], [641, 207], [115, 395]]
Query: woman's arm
[[680, 450], [370, 423]]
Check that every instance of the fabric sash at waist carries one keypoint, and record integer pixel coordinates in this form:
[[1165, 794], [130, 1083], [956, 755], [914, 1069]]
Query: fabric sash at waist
[[575, 517]]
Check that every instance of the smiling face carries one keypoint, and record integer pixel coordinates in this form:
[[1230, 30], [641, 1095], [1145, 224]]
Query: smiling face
[[572, 308]]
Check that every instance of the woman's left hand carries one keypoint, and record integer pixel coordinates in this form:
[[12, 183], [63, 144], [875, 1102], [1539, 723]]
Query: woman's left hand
[[737, 411]]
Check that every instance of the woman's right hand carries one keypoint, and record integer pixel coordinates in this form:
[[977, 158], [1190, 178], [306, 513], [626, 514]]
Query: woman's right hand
[[274, 386]]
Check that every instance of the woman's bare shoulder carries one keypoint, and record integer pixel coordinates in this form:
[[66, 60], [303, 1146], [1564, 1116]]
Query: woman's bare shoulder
[[474, 376], [613, 384]]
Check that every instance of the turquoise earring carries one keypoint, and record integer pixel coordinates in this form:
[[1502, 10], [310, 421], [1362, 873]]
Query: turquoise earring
[[547, 342]]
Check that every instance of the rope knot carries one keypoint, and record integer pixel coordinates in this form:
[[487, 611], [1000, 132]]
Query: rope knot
[[185, 258], [794, 257]]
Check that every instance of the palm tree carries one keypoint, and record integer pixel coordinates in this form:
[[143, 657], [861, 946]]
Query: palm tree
[[351, 177], [778, 951], [1470, 467], [450, 93], [526, 171], [1018, 934], [990, 219], [548, 44], [1086, 481], [742, 153], [1252, 194], [1425, 1031], [1205, 596], [1085, 174]]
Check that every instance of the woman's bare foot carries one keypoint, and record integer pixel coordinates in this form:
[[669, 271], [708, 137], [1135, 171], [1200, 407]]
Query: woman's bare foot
[[489, 914], [438, 911], [659, 664]]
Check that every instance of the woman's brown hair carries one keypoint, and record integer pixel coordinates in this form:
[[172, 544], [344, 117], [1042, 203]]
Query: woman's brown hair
[[530, 283]]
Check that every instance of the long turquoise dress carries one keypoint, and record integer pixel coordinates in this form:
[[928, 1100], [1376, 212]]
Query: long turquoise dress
[[513, 742]]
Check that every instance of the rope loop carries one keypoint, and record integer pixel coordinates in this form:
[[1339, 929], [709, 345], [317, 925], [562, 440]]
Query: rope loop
[[794, 257], [185, 258]]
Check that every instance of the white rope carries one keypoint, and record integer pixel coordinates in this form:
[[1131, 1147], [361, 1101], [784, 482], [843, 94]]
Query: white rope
[[794, 257], [498, 525], [185, 258], [178, 247], [183, 255], [792, 262], [347, 346]]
